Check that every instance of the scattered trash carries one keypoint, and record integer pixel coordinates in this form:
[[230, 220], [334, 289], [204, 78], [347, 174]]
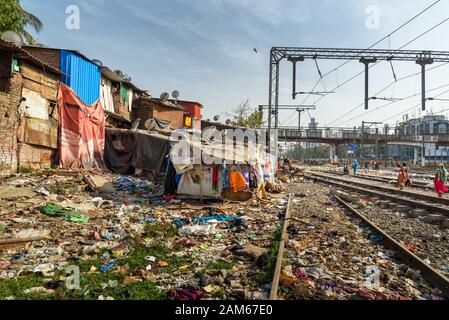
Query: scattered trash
[[376, 238], [40, 290], [56, 210], [42, 191], [186, 294], [107, 266]]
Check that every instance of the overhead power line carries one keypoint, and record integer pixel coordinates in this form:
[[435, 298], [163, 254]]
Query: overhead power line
[[393, 102], [403, 112], [385, 88], [372, 46], [360, 73]]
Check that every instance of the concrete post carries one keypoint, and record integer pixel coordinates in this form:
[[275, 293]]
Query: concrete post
[[415, 155]]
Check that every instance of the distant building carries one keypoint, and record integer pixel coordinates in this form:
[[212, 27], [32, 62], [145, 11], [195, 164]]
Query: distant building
[[430, 126], [192, 119], [313, 132]]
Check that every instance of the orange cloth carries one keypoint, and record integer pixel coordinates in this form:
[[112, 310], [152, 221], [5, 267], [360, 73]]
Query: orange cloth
[[237, 181]]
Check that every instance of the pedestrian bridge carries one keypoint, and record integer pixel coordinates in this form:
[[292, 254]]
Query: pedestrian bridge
[[337, 136]]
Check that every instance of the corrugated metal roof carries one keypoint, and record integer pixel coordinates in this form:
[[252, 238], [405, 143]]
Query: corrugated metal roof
[[51, 48], [187, 101], [83, 76], [111, 75], [167, 104]]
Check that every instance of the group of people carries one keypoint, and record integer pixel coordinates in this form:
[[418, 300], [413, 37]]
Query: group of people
[[404, 179], [439, 182]]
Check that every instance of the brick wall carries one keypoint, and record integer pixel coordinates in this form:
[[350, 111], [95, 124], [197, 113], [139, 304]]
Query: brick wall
[[174, 115], [145, 110], [36, 157], [14, 154], [10, 96], [47, 55]]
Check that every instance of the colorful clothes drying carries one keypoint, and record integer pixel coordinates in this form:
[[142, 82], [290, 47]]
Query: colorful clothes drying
[[237, 181]]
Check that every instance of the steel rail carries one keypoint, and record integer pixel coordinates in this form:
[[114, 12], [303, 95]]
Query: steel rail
[[431, 275], [416, 195], [384, 195]]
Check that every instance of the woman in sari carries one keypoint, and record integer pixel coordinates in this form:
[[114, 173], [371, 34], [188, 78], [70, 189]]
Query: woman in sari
[[441, 180], [402, 176]]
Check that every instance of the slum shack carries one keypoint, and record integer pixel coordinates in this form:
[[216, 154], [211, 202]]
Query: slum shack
[[117, 96], [133, 151], [230, 172], [157, 114], [28, 111]]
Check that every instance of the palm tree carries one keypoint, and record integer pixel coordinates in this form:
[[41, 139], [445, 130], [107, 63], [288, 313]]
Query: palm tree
[[33, 21], [14, 17]]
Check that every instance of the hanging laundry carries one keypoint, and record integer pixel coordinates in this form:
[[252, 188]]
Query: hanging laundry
[[215, 178], [237, 181]]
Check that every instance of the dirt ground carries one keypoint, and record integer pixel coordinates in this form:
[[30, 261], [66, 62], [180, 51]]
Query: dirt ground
[[128, 242]]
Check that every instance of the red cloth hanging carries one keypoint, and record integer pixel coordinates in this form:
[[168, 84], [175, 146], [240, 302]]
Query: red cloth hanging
[[82, 131]]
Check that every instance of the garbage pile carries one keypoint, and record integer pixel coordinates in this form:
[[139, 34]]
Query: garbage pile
[[128, 242], [333, 256]]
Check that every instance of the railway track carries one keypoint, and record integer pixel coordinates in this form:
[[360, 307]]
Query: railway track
[[416, 184], [280, 256], [432, 276], [411, 199]]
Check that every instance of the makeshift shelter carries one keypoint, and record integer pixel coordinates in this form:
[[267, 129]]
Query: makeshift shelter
[[235, 172], [117, 96], [28, 113], [156, 114], [127, 150], [79, 72]]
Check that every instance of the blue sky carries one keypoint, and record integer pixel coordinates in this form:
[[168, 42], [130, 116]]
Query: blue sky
[[204, 49]]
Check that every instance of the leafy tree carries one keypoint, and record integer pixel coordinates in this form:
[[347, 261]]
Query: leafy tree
[[13, 17], [245, 116], [318, 152]]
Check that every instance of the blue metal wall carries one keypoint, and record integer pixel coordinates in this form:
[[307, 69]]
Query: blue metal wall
[[83, 76]]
